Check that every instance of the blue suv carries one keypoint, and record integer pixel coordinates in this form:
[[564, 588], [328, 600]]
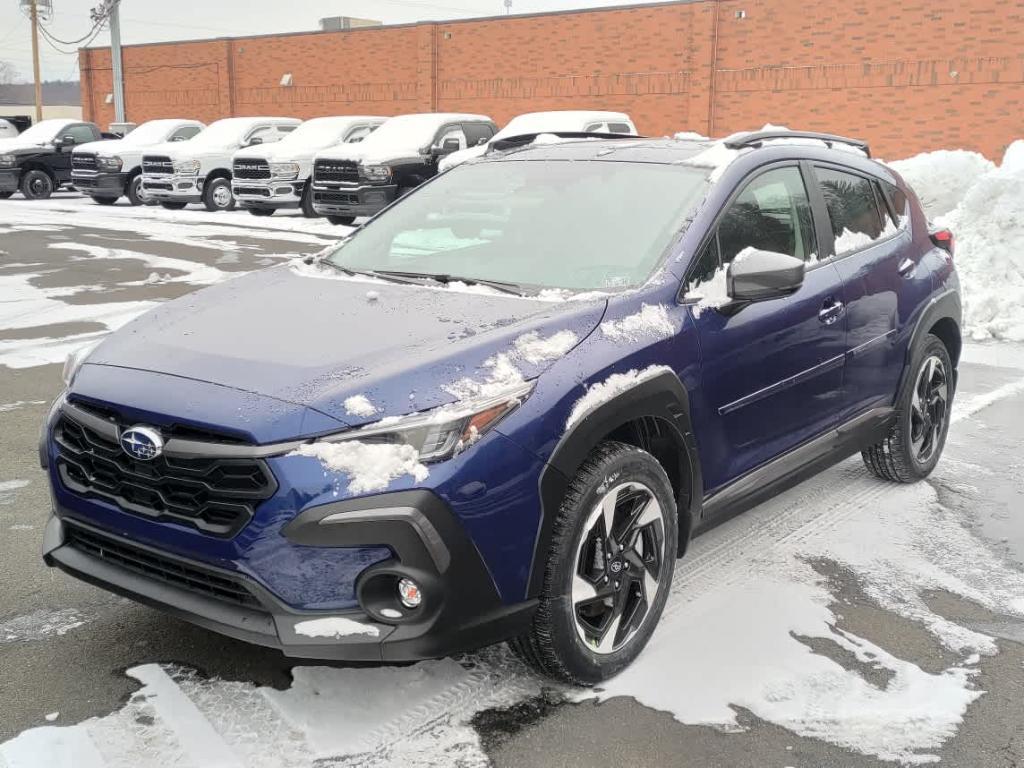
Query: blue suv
[[500, 409]]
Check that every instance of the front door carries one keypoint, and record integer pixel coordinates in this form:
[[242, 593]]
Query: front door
[[772, 370]]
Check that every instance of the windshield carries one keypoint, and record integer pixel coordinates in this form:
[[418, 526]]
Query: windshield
[[151, 132], [316, 133], [43, 131], [222, 133], [581, 226]]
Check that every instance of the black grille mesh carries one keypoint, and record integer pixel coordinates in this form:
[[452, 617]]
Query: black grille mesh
[[157, 164], [251, 169], [336, 170], [83, 161]]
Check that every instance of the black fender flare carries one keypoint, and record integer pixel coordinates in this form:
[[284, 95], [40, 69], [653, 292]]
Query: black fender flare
[[662, 397], [944, 306]]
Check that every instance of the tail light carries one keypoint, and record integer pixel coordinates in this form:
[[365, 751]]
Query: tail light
[[943, 238]]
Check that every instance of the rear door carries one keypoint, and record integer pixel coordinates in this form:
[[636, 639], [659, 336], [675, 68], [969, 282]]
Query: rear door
[[772, 370], [873, 252]]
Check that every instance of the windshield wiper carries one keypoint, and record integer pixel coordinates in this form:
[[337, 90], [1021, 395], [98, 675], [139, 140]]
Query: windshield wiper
[[394, 278], [445, 279]]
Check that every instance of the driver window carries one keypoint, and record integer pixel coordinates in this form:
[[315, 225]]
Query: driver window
[[452, 133], [182, 134], [82, 134], [358, 134], [266, 133]]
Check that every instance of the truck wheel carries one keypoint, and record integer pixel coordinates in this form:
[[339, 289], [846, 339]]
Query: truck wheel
[[172, 206], [609, 569], [217, 195], [307, 202], [136, 194], [36, 185], [914, 444], [344, 220], [104, 200], [261, 211]]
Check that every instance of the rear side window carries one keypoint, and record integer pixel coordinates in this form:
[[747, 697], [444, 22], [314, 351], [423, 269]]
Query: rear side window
[[477, 133], [852, 210], [619, 128], [898, 204], [185, 133]]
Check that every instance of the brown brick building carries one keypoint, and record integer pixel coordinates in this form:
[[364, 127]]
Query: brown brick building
[[909, 76]]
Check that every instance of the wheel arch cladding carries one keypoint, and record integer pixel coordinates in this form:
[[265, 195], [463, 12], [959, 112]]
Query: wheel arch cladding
[[654, 416], [36, 165], [948, 331], [218, 173], [941, 316]]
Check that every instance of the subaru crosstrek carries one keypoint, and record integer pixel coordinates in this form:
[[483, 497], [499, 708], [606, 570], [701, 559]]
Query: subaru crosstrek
[[499, 410]]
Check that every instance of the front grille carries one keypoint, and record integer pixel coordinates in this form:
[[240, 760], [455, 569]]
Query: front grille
[[157, 164], [83, 161], [145, 562], [251, 169], [215, 495], [344, 198], [254, 191], [336, 170]]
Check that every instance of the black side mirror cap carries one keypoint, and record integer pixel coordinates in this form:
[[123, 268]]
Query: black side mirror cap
[[756, 275]]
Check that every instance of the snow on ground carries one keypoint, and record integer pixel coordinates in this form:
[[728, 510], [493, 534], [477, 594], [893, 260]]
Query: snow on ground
[[40, 625]]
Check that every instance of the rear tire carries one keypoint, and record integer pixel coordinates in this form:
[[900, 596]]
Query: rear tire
[[217, 195], [261, 211], [134, 193], [605, 585], [914, 444], [342, 220], [103, 200], [172, 206], [36, 185]]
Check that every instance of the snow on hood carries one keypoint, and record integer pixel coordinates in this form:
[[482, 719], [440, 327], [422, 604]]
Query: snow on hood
[[15, 145], [110, 147], [318, 342]]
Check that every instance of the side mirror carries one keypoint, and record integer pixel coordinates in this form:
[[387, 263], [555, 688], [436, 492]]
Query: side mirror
[[445, 148], [66, 141], [178, 138], [756, 275], [255, 140]]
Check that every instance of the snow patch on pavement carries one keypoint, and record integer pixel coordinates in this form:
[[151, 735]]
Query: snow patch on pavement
[[603, 391], [19, 404], [193, 272], [40, 625], [651, 321], [369, 466], [8, 487], [336, 626]]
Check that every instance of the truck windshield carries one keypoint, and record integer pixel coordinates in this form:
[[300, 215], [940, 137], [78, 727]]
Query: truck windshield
[[579, 226]]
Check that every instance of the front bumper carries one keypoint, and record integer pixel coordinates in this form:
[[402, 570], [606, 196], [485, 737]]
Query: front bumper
[[268, 193], [176, 188], [461, 609], [100, 183], [339, 200], [9, 178]]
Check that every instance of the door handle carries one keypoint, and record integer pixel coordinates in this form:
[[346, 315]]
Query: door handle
[[906, 267], [831, 311]]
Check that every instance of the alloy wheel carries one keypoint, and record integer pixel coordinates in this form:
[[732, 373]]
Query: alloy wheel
[[40, 185], [929, 408], [619, 564]]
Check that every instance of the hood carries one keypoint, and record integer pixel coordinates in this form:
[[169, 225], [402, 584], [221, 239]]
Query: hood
[[109, 147], [275, 153], [185, 150], [306, 335], [15, 146], [366, 153]]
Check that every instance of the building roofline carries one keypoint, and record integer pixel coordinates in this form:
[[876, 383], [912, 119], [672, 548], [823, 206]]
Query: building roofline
[[424, 22]]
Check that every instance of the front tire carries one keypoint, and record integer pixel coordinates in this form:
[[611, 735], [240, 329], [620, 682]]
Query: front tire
[[135, 193], [217, 195], [609, 568], [914, 444], [103, 200], [36, 185], [307, 202], [342, 220]]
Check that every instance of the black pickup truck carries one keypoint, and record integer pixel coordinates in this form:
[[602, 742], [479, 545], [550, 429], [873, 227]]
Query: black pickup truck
[[38, 161]]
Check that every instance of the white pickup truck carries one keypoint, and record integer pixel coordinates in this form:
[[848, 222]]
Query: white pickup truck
[[199, 171], [265, 178], [105, 170], [583, 121]]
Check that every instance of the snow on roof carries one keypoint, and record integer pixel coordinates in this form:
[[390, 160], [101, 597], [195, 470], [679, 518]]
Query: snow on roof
[[557, 120]]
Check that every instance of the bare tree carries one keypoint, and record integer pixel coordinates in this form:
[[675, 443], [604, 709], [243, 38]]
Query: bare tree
[[8, 73]]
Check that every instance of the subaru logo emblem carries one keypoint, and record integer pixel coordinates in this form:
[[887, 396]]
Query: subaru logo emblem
[[143, 443]]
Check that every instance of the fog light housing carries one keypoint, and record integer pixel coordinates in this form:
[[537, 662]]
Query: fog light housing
[[409, 593]]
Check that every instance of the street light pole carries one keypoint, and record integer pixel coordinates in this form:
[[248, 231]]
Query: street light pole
[[34, 15], [115, 59]]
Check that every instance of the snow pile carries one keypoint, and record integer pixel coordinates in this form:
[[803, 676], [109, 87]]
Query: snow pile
[[534, 349], [359, 405], [600, 393], [941, 179], [1013, 158], [652, 320], [334, 627], [989, 228], [369, 466]]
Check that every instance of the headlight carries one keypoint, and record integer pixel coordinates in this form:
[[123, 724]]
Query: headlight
[[7, 161], [442, 432], [113, 163], [186, 166], [284, 170], [377, 172], [74, 361]]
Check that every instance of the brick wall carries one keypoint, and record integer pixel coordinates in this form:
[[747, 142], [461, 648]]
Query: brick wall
[[910, 78]]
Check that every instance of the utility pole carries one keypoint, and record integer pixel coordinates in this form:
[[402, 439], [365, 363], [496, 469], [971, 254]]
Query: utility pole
[[115, 59], [34, 15]]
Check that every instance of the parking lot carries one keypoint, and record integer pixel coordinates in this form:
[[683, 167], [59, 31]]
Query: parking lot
[[846, 622]]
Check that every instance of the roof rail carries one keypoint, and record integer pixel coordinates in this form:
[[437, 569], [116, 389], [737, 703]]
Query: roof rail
[[511, 142], [758, 138]]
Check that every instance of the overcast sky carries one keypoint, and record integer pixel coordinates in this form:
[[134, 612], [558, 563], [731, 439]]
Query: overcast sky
[[146, 21]]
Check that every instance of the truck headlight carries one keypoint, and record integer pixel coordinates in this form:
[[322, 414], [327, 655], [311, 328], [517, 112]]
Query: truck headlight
[[7, 161], [284, 170], [74, 361], [442, 432], [377, 172], [189, 167], [112, 163]]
